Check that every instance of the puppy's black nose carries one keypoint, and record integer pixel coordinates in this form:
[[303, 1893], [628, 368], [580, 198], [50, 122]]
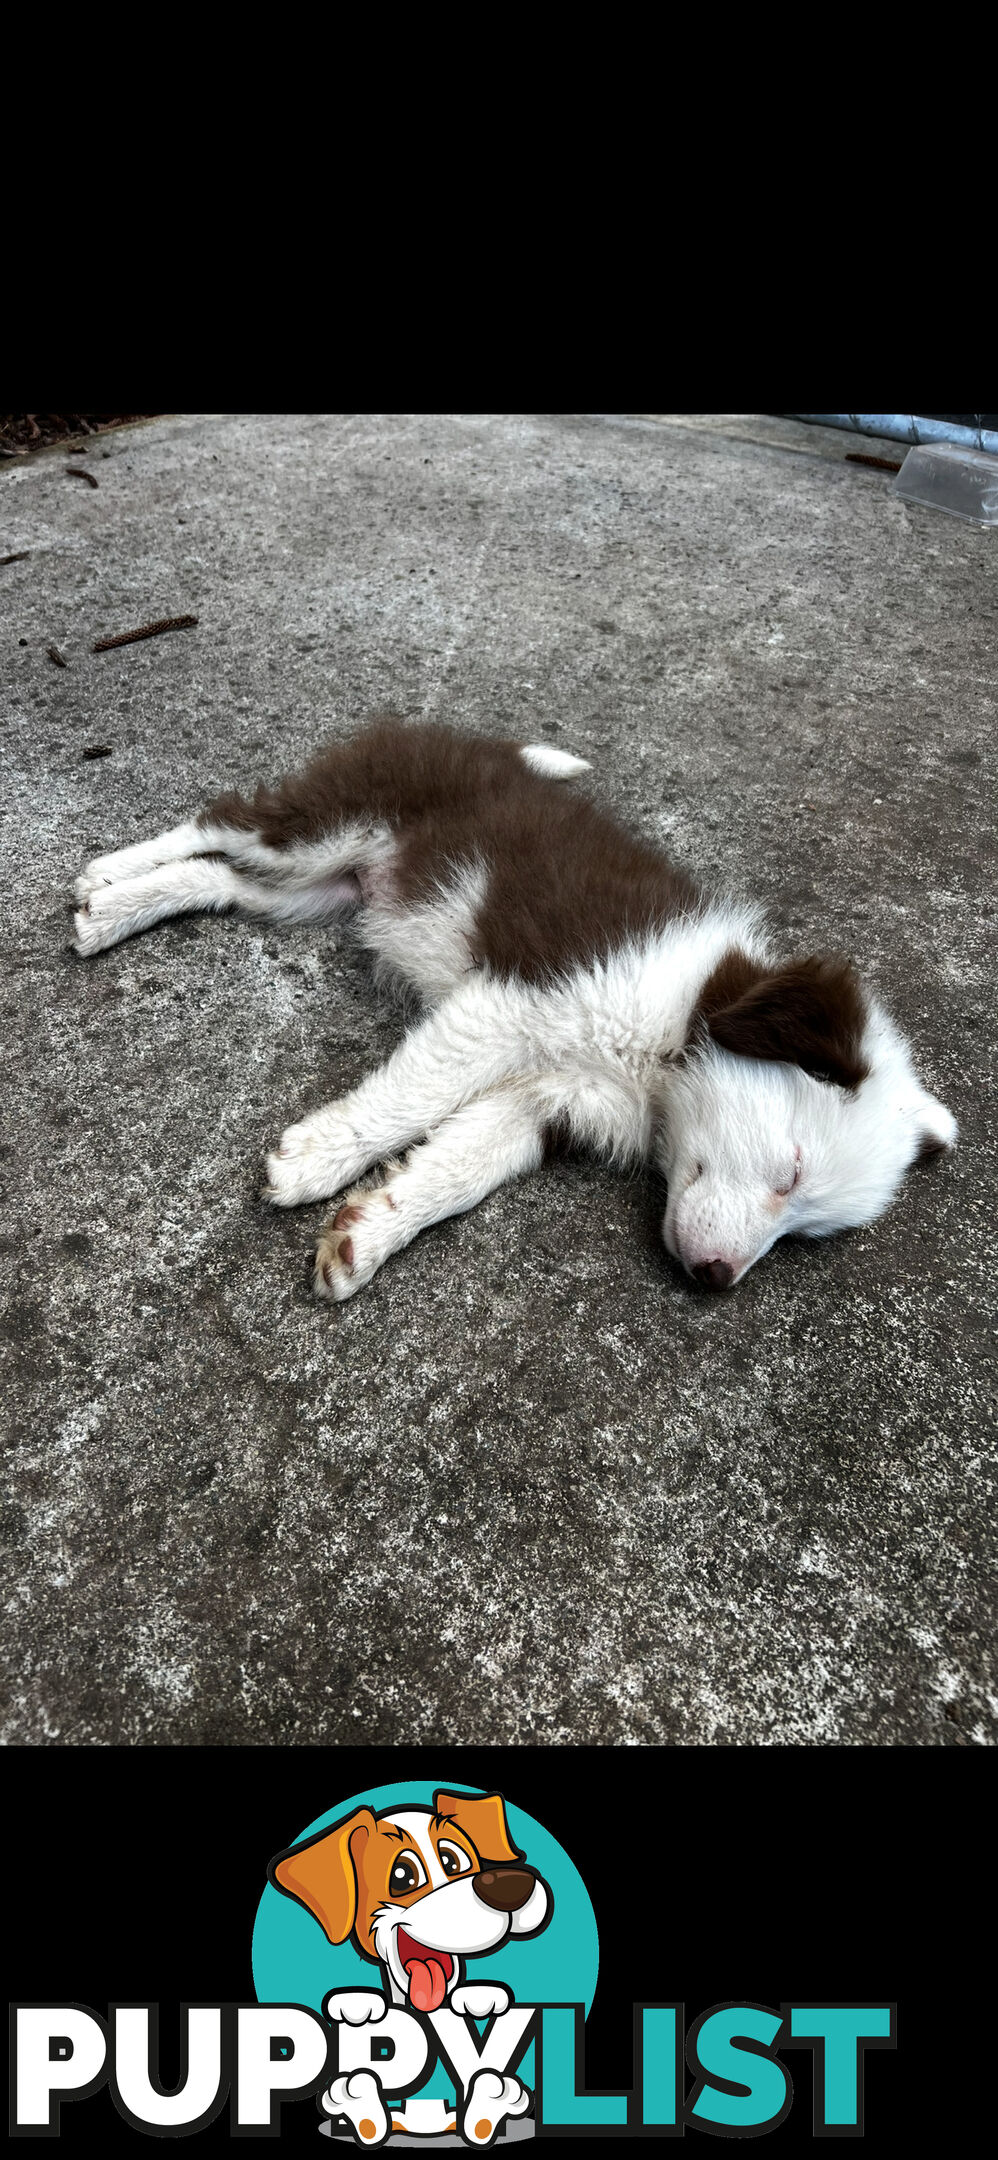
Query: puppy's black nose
[[717, 1274], [505, 1889]]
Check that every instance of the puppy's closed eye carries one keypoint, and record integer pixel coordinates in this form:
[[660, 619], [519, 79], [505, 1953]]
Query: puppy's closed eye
[[783, 1190]]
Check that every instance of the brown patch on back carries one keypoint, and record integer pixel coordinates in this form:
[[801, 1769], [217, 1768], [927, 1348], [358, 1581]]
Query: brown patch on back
[[810, 1013], [566, 883], [403, 775]]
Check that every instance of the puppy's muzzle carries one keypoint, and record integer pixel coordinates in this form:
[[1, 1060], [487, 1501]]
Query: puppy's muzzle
[[504, 1889]]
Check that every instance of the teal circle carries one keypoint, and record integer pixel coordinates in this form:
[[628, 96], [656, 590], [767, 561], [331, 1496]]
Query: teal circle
[[293, 1962]]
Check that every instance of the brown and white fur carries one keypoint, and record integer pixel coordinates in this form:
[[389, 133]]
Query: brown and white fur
[[574, 981], [418, 1891]]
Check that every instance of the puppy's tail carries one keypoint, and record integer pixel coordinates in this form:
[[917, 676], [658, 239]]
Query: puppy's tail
[[553, 764]]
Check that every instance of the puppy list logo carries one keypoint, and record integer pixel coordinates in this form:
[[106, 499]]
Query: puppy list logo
[[424, 1963]]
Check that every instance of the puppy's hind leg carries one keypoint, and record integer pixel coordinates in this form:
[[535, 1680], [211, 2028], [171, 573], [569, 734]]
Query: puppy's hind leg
[[198, 886], [204, 835], [250, 838], [176, 845]]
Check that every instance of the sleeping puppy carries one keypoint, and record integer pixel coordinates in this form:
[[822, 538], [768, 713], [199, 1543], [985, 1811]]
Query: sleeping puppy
[[575, 982]]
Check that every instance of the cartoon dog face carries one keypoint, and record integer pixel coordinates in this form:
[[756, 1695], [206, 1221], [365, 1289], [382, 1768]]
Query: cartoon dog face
[[418, 1889]]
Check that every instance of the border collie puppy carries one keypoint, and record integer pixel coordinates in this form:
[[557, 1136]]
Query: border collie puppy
[[575, 982]]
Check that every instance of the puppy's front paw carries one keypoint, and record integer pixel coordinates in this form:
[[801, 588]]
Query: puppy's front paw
[[311, 1160], [352, 1247], [481, 2000], [354, 2006]]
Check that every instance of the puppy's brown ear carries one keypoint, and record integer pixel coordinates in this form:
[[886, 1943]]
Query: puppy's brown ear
[[482, 1817], [810, 1013], [322, 1873]]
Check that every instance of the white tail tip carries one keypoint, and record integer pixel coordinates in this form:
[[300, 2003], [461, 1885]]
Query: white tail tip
[[554, 764]]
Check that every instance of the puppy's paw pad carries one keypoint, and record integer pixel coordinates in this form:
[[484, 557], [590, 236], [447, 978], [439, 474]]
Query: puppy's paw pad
[[358, 2097], [335, 1263], [491, 2099], [354, 1244], [936, 1127], [350, 1212]]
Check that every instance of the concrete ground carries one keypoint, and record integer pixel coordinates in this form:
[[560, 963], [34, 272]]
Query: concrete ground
[[531, 1485]]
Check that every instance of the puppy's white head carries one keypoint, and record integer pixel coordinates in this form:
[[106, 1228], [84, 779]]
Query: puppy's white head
[[796, 1109]]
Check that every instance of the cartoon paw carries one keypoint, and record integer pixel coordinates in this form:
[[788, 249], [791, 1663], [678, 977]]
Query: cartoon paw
[[358, 2097], [491, 2098], [352, 1247], [354, 2006], [486, 2000]]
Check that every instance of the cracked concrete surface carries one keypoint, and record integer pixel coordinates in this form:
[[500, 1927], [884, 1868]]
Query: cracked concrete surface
[[531, 1485]]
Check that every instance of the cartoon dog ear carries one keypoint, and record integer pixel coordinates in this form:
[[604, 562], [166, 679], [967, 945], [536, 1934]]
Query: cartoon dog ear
[[810, 1013], [321, 1874], [482, 1817]]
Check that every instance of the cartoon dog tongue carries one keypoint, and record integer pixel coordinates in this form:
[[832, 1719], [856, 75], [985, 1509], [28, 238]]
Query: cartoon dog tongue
[[427, 1986]]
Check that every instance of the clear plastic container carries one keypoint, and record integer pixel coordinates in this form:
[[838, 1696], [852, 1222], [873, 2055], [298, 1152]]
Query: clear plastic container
[[946, 477]]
